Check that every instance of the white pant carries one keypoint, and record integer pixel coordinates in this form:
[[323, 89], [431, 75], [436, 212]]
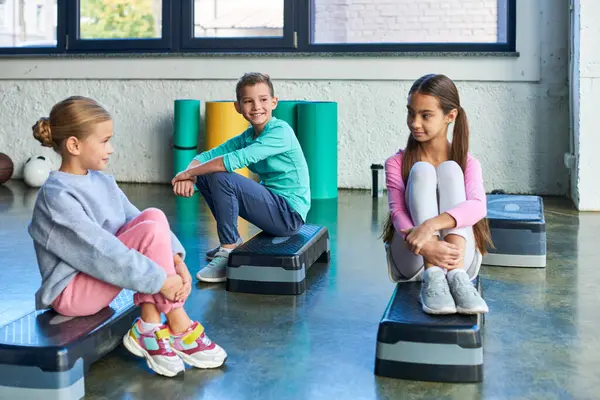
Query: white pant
[[426, 186]]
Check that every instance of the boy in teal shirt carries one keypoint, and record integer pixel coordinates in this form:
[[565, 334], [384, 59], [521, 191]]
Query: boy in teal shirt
[[270, 149]]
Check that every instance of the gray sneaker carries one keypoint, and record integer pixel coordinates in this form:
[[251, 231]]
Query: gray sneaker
[[216, 270], [435, 294], [210, 255], [467, 298]]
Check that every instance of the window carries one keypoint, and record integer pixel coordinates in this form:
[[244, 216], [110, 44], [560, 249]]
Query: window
[[230, 19], [119, 25], [71, 26], [238, 25], [105, 19], [28, 24], [396, 25]]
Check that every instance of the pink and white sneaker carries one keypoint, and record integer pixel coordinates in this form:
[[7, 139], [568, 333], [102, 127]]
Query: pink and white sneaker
[[196, 349], [155, 347]]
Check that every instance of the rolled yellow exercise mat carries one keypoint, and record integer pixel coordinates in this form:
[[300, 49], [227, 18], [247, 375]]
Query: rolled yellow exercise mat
[[223, 123]]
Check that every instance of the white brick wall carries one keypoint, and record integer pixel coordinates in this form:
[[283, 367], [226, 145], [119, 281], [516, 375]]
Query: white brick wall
[[398, 21]]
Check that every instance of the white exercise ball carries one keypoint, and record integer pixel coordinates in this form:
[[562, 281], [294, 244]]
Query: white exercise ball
[[36, 171]]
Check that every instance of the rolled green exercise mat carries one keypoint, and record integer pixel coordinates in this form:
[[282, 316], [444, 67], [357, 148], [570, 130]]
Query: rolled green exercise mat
[[317, 134], [186, 124], [187, 219], [182, 158], [325, 212], [287, 110], [185, 132]]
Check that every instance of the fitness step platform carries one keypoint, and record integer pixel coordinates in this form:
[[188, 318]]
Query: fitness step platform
[[518, 231], [44, 355], [268, 264], [414, 345]]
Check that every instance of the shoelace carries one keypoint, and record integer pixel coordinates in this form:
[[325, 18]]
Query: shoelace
[[465, 287], [205, 340], [216, 262], [435, 286], [166, 344]]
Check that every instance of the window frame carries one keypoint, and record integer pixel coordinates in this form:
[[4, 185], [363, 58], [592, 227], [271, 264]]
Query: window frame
[[77, 45], [61, 37], [306, 27], [297, 30], [190, 43]]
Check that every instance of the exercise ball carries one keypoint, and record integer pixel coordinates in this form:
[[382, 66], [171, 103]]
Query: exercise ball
[[6, 168], [36, 171]]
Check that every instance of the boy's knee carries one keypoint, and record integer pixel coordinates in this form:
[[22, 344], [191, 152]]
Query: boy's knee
[[212, 178], [220, 176]]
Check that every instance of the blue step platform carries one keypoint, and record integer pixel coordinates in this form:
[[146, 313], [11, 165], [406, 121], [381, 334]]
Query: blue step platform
[[44, 355], [277, 265], [518, 231], [413, 345]]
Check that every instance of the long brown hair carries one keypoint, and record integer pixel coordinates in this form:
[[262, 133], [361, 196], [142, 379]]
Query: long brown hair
[[442, 88]]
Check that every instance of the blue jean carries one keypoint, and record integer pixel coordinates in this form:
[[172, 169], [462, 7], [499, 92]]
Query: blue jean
[[230, 195]]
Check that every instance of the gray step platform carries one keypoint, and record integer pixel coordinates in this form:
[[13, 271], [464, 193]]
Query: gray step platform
[[277, 265], [44, 355], [414, 345], [518, 231]]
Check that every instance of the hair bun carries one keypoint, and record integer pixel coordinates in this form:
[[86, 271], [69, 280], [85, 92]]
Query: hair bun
[[42, 132]]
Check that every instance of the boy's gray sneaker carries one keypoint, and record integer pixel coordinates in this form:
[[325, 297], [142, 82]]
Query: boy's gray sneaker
[[216, 270], [435, 294], [467, 298], [212, 252]]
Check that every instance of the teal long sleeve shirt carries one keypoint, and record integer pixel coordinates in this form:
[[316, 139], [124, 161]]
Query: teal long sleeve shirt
[[275, 156]]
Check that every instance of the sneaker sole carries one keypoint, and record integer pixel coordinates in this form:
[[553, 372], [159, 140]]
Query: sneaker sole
[[134, 348], [446, 311], [471, 311], [202, 364], [211, 280], [443, 311]]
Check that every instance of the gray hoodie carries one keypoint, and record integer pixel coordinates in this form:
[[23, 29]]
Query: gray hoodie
[[75, 219]]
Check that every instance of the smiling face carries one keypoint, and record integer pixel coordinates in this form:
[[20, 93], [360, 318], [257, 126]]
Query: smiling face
[[95, 149], [256, 104], [426, 119]]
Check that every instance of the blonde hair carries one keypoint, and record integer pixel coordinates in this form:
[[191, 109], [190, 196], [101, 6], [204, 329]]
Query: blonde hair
[[74, 116]]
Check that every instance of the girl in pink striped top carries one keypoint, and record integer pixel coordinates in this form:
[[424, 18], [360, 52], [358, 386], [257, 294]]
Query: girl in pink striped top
[[437, 231]]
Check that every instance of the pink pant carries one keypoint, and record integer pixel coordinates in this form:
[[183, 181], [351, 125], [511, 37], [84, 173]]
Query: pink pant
[[149, 234]]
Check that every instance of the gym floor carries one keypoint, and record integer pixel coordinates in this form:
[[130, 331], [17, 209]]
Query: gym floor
[[540, 337]]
